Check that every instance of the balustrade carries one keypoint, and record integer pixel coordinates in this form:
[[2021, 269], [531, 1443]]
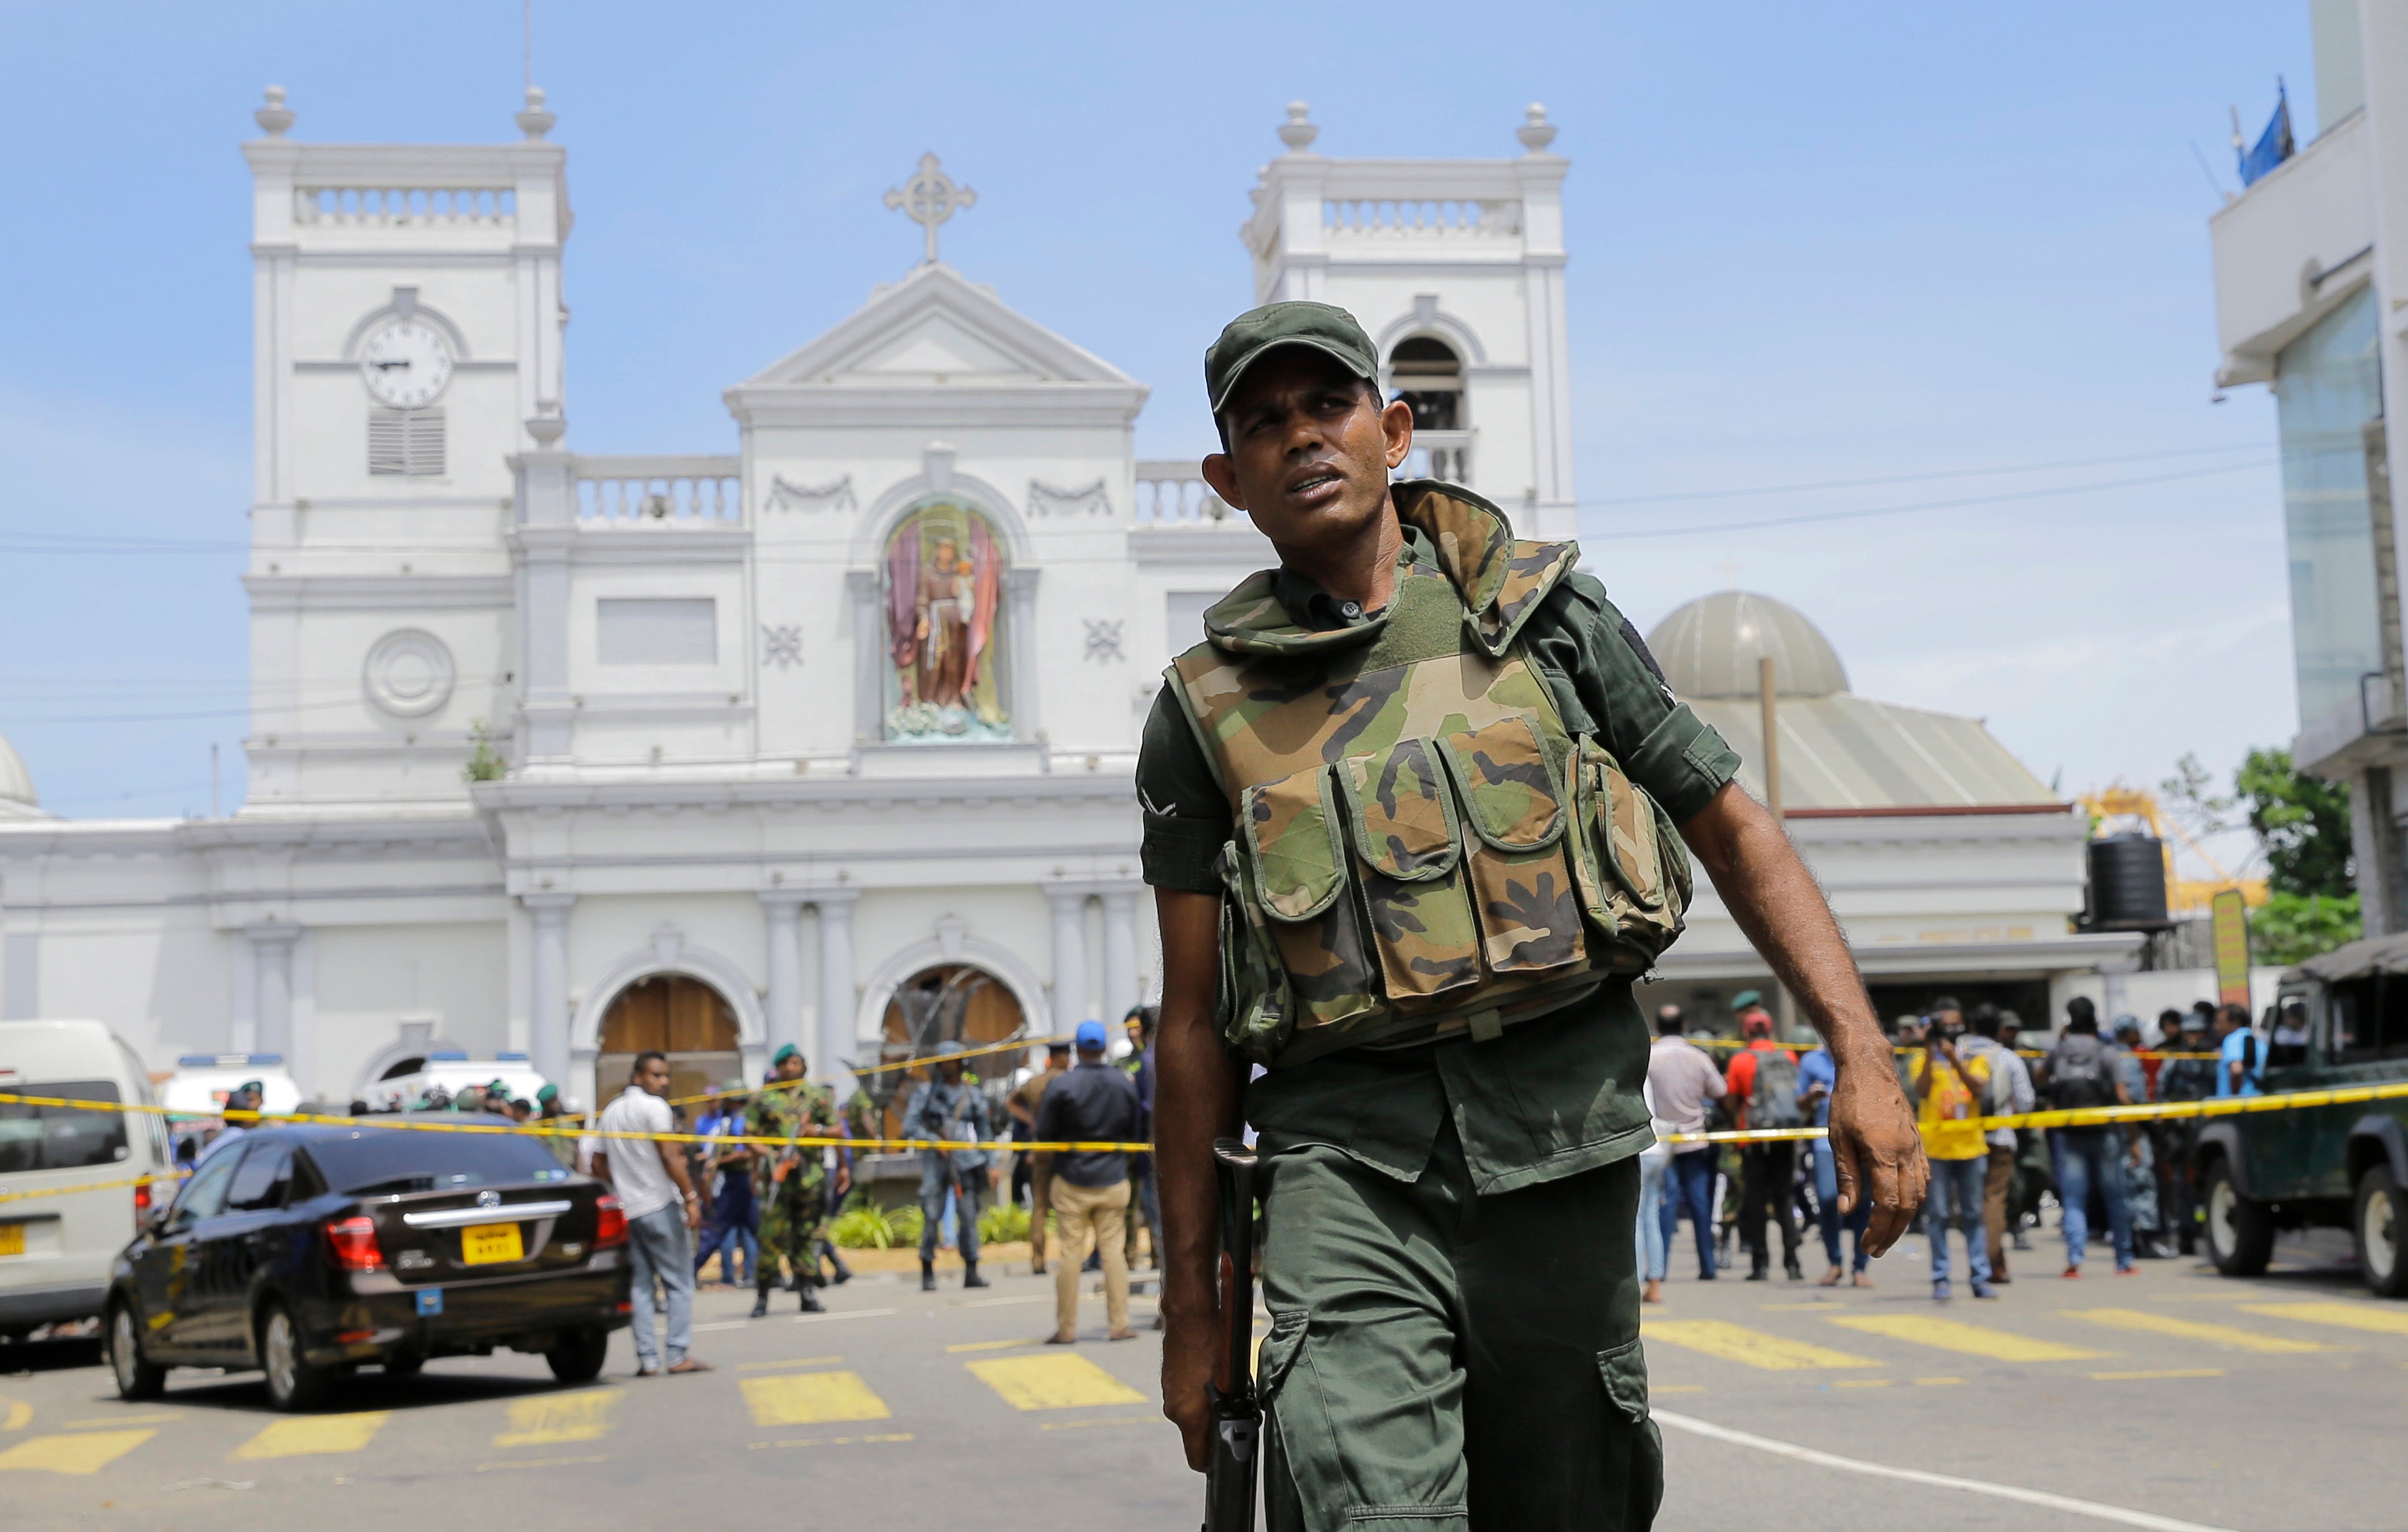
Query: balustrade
[[1173, 493], [406, 207], [635, 491], [1390, 218], [1440, 454]]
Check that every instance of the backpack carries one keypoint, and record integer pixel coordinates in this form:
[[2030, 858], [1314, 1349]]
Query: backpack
[[2077, 1075], [1772, 1101]]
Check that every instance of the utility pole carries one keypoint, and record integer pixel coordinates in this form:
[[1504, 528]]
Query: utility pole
[[1769, 705]]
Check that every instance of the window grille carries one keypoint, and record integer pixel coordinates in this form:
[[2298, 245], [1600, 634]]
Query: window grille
[[405, 443]]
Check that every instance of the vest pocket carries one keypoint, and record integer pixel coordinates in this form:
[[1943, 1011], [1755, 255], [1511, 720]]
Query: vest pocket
[[1521, 880], [1403, 823], [1632, 865], [1292, 833]]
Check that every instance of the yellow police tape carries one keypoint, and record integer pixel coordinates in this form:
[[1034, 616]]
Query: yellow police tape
[[88, 1186], [2230, 1106]]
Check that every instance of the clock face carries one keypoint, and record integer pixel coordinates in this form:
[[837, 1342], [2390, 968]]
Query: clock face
[[406, 363]]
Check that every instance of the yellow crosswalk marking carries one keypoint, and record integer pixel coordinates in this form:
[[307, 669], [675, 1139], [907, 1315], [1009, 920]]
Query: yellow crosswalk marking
[[15, 1414], [1749, 1348], [2355, 1316], [1059, 1381], [1955, 1334], [560, 1417], [2195, 1329], [308, 1436], [2161, 1372], [812, 1398], [995, 1345], [86, 1452]]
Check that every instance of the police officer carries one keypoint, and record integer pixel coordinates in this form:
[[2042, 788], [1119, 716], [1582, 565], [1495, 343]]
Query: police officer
[[787, 1184], [1448, 1221], [949, 1108], [243, 1097]]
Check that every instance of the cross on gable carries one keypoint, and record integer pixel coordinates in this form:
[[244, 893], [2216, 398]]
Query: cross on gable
[[929, 198]]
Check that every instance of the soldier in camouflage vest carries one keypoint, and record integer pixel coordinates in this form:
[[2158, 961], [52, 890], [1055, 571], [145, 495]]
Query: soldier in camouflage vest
[[1415, 813], [790, 1185]]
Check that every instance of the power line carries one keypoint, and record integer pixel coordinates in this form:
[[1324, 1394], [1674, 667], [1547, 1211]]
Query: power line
[[1928, 505], [1920, 477]]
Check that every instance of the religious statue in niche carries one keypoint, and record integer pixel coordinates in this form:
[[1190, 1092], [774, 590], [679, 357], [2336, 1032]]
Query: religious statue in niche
[[944, 586]]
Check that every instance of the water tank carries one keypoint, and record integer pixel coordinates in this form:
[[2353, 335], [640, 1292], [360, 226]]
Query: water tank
[[2128, 884]]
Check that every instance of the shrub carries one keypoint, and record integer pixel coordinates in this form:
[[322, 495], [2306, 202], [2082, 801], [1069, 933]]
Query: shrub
[[1004, 1223]]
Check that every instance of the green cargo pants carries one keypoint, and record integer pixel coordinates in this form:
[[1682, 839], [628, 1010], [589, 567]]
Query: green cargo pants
[[1441, 1361]]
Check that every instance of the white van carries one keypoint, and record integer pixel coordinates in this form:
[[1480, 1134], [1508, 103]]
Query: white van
[[55, 1251]]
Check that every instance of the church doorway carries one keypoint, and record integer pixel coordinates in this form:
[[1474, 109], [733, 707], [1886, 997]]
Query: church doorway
[[952, 1002], [678, 1015]]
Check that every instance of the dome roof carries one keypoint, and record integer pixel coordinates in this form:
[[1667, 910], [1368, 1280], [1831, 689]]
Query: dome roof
[[16, 784], [1709, 649]]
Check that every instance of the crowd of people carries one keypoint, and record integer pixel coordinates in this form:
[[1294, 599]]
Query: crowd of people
[[764, 1213], [1989, 1186]]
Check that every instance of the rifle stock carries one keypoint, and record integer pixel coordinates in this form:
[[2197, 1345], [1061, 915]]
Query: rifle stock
[[1231, 1480]]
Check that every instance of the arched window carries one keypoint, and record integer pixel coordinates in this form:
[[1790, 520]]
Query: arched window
[[1429, 376], [944, 629]]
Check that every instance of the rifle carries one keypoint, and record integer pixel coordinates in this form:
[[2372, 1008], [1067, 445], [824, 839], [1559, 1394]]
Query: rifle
[[1236, 1469]]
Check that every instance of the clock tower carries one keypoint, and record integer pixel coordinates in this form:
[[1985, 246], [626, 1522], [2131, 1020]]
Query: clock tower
[[406, 324]]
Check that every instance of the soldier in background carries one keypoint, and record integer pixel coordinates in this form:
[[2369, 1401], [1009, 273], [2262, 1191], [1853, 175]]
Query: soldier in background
[[951, 1108], [788, 1185]]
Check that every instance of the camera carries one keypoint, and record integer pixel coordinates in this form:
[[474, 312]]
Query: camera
[[1940, 1031]]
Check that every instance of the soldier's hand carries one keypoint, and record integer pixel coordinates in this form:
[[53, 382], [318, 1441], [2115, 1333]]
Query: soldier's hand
[[1191, 1350], [1876, 1149]]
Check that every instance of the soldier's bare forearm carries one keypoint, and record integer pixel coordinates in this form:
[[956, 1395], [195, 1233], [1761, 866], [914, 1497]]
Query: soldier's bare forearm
[[1196, 1101], [1781, 911]]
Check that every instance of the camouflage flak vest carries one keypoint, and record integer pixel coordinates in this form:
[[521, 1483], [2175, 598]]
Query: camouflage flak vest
[[1421, 847]]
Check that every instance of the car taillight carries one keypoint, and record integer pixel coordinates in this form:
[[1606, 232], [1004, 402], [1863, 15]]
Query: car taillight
[[352, 1244], [141, 1205], [609, 1223]]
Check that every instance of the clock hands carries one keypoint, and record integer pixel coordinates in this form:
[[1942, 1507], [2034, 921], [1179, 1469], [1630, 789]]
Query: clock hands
[[388, 367]]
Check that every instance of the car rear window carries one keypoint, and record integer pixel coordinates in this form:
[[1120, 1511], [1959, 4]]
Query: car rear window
[[61, 1137], [387, 1161]]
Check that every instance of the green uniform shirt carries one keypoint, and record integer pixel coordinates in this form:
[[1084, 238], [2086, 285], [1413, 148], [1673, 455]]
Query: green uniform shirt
[[1553, 1096]]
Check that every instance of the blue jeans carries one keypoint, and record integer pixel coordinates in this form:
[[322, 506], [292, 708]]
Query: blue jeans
[[657, 1247], [1690, 1187], [2084, 1155], [1654, 1248], [728, 1229], [1955, 1196], [1827, 1208]]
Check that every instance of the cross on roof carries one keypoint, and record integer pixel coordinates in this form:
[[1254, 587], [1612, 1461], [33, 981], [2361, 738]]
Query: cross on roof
[[929, 198]]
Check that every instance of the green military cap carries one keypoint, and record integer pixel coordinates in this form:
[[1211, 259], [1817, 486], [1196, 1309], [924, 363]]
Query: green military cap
[[549, 1093], [785, 1052], [1257, 332], [497, 1087], [256, 1087], [1745, 998]]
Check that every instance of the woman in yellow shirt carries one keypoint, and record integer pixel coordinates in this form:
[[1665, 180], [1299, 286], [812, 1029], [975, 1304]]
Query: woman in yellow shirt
[[1949, 1090]]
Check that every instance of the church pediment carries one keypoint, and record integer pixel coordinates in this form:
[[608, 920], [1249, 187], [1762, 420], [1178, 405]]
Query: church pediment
[[937, 328]]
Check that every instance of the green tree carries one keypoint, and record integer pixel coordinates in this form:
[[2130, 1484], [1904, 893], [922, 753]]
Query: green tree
[[2290, 927], [2303, 826]]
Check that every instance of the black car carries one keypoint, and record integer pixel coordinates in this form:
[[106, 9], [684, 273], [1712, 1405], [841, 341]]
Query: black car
[[306, 1252]]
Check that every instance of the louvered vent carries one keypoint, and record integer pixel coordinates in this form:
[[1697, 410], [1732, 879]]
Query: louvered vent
[[406, 443]]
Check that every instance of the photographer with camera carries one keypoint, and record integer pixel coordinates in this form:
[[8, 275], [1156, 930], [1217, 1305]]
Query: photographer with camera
[[1951, 1083]]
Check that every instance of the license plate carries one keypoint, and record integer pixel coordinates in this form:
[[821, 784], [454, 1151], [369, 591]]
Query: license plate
[[12, 1238], [488, 1244]]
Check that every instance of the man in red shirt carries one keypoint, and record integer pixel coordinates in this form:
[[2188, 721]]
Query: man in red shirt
[[1768, 1171]]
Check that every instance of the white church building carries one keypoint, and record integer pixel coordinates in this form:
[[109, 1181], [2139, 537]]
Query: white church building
[[573, 753]]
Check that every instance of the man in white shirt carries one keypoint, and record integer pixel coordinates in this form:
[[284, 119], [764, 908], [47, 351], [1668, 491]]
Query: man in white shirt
[[1681, 1079], [662, 1206], [2010, 1092]]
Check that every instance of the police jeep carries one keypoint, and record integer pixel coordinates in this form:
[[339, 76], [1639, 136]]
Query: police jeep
[[2323, 1167]]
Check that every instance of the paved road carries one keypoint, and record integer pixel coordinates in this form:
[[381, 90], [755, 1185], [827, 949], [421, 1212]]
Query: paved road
[[2279, 1403]]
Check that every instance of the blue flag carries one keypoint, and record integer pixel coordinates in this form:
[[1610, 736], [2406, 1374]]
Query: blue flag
[[2273, 145]]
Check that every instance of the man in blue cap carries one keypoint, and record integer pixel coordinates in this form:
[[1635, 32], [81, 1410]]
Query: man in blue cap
[[1094, 1103]]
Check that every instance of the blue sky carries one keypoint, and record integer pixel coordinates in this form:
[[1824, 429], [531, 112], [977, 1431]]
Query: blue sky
[[1808, 244]]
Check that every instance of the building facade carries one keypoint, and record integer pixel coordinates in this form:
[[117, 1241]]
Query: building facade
[[2312, 300], [571, 753]]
